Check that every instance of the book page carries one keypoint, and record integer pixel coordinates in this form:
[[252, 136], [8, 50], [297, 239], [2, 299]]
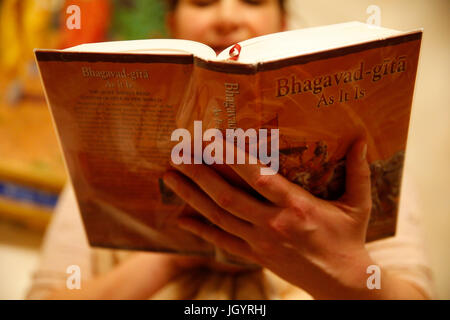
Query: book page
[[292, 43], [151, 46]]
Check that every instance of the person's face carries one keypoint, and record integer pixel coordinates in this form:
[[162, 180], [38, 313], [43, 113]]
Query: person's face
[[221, 23]]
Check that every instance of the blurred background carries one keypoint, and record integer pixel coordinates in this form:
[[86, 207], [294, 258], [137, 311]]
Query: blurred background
[[31, 169]]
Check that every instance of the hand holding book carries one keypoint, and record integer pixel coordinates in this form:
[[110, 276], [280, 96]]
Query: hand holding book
[[288, 234]]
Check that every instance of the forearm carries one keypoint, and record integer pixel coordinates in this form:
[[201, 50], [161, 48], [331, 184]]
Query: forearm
[[392, 286], [137, 278]]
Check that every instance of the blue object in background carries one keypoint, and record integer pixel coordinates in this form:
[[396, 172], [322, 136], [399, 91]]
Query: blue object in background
[[26, 194]]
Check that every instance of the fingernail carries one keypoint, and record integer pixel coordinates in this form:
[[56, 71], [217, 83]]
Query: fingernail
[[364, 152]]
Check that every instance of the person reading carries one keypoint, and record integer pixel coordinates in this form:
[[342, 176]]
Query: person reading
[[304, 246]]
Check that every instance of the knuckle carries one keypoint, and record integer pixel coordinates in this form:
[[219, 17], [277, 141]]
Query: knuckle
[[365, 172], [289, 200], [225, 200], [300, 211], [366, 207], [261, 181], [216, 218], [277, 225]]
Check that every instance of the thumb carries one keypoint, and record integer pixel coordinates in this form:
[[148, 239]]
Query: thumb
[[357, 184]]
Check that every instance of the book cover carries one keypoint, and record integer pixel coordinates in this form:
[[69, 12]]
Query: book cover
[[115, 112]]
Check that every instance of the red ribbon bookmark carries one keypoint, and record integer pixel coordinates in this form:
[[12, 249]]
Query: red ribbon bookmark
[[235, 51]]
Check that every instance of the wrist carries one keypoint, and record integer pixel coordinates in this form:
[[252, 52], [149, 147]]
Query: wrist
[[364, 279], [348, 279]]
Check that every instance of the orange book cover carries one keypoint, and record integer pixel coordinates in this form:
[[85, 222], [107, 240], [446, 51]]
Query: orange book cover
[[114, 114]]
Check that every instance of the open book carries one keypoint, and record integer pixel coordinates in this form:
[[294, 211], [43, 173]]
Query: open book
[[115, 105]]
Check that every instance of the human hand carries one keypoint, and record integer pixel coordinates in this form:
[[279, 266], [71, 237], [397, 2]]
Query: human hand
[[315, 244]]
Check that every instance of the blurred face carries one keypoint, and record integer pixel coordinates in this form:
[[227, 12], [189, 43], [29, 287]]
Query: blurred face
[[221, 23]]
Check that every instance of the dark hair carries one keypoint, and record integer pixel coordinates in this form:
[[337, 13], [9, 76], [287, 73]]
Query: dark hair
[[172, 4]]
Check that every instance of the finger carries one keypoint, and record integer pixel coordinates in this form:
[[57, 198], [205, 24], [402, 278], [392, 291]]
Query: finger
[[274, 187], [357, 188], [227, 197], [190, 193], [217, 237]]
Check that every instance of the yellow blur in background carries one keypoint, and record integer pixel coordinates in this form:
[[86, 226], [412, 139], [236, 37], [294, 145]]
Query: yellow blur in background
[[31, 168]]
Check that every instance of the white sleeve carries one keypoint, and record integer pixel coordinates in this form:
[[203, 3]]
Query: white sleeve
[[404, 254], [64, 244]]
